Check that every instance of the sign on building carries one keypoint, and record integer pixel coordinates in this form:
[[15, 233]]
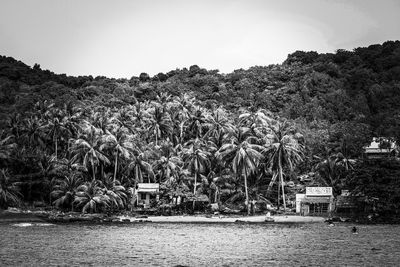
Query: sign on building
[[318, 191]]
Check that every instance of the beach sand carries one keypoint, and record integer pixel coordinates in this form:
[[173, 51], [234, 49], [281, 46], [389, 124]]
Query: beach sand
[[12, 217], [225, 219]]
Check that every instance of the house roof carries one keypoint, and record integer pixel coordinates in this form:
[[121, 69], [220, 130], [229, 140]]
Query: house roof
[[313, 200], [148, 187]]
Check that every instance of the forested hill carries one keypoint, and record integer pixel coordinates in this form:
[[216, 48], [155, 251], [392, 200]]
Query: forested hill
[[201, 133], [320, 90]]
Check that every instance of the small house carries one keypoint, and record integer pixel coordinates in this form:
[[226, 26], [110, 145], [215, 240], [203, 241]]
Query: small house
[[380, 147], [316, 201], [146, 193]]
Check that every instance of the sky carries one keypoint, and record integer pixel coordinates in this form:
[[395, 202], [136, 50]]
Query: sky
[[123, 38]]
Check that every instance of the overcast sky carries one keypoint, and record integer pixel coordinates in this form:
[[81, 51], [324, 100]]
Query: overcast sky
[[123, 38]]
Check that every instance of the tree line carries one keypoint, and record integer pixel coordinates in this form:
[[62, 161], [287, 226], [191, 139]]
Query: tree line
[[81, 142]]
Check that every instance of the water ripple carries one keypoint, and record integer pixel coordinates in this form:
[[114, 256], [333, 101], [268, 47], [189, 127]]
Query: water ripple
[[198, 245]]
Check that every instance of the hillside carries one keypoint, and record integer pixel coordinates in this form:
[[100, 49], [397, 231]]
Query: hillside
[[332, 103]]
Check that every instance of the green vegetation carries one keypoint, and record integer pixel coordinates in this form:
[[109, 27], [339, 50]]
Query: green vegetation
[[80, 143]]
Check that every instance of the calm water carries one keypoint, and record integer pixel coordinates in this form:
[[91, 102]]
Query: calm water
[[199, 245]]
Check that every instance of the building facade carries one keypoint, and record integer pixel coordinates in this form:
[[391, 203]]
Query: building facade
[[317, 201]]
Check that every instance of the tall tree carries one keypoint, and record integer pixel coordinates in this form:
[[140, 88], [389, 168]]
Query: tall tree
[[9, 191], [120, 143], [197, 161], [160, 124], [283, 150], [242, 156], [87, 149]]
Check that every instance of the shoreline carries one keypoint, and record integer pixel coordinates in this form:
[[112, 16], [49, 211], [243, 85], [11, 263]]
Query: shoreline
[[224, 219], [40, 217]]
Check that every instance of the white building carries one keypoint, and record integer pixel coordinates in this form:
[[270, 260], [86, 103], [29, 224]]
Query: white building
[[380, 147], [146, 192], [316, 201]]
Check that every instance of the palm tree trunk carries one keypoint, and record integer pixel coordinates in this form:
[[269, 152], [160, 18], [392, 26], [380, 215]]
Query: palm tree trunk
[[247, 193], [271, 183], [55, 145], [194, 189], [137, 175], [279, 193], [69, 157], [93, 170], [281, 180], [116, 167]]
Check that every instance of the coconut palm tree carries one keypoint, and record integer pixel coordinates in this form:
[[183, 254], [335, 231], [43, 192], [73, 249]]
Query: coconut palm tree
[[118, 196], [217, 125], [56, 129], [332, 169], [101, 119], [33, 132], [255, 121], [86, 149], [197, 161], [7, 145], [282, 150], [242, 156], [90, 196], [121, 145], [195, 123], [162, 100], [160, 124], [167, 166], [9, 191], [14, 124], [140, 165], [65, 189], [140, 114]]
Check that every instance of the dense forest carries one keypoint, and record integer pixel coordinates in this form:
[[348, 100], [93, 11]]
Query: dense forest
[[80, 143]]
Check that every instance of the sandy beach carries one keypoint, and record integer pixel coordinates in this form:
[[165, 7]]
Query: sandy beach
[[225, 219], [23, 216]]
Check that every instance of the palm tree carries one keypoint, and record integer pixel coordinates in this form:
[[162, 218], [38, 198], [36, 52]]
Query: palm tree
[[90, 196], [87, 150], [160, 124], [139, 165], [120, 143], [195, 123], [196, 159], [140, 114], [331, 169], [163, 99], [185, 104], [33, 132], [56, 128], [242, 156], [9, 191], [256, 121], [101, 119], [117, 194], [283, 150], [7, 145], [124, 118], [167, 166], [14, 123], [218, 125], [64, 190]]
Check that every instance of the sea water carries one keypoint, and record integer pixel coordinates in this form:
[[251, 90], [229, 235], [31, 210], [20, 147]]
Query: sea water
[[184, 244]]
